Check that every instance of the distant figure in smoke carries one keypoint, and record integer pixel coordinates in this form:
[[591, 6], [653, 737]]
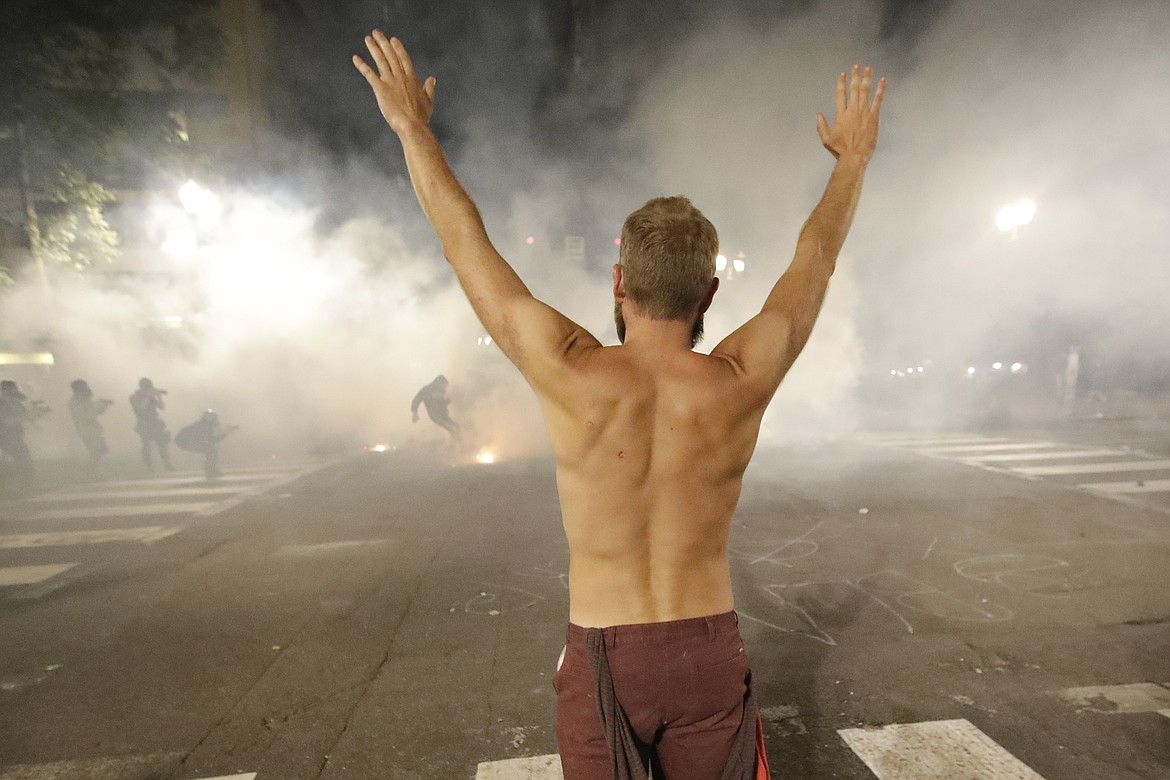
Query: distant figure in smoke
[[13, 415], [147, 402], [434, 397], [203, 436], [85, 410], [651, 441]]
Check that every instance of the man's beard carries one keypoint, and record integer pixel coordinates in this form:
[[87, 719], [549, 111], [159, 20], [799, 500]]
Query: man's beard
[[620, 322]]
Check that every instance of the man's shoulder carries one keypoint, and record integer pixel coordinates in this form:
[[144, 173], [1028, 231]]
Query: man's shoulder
[[618, 367]]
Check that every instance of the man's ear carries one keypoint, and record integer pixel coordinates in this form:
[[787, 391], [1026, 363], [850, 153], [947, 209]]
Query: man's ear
[[706, 304], [619, 283]]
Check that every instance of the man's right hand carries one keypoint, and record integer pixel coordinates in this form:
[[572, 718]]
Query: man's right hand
[[854, 131]]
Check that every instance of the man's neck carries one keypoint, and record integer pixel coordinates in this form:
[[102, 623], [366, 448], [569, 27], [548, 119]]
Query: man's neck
[[643, 333]]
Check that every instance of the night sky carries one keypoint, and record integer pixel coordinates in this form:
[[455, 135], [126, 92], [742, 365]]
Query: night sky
[[503, 61]]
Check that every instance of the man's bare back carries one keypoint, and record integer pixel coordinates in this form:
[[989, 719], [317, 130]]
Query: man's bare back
[[651, 447]]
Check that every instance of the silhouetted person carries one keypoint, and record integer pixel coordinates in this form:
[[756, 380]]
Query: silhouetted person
[[203, 436], [13, 415], [147, 402], [434, 397], [85, 410]]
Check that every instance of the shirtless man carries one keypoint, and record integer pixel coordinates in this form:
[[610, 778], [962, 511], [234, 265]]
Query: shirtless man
[[650, 453]]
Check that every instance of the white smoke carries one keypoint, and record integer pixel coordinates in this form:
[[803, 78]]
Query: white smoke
[[311, 331]]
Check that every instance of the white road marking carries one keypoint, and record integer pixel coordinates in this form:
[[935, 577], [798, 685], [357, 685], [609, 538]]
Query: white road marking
[[114, 768], [147, 534], [954, 749], [531, 768], [278, 468], [1133, 697], [1094, 468], [124, 510], [190, 480], [285, 477], [243, 776], [1039, 455], [1029, 445], [937, 442], [1129, 486], [27, 575], [124, 495], [327, 547]]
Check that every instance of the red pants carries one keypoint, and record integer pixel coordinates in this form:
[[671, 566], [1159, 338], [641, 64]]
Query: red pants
[[680, 683]]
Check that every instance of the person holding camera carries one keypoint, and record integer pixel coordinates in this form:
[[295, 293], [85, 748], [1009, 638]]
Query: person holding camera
[[147, 402]]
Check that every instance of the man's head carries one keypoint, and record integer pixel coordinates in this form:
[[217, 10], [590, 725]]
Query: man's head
[[8, 387], [145, 384], [667, 268], [80, 388]]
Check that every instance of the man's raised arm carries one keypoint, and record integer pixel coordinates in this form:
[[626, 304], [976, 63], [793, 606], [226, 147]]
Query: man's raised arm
[[765, 347], [531, 334]]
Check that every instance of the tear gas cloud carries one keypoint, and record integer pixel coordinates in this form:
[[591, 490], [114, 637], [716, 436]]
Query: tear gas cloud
[[308, 329]]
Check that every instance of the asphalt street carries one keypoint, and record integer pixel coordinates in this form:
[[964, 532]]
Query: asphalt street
[[915, 605]]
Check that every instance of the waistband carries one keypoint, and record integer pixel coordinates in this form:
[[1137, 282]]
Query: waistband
[[707, 627]]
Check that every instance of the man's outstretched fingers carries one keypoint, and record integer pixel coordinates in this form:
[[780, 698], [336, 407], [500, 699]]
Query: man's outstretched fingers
[[378, 57], [855, 86], [866, 80], [879, 94], [403, 58], [388, 54], [365, 70], [841, 94]]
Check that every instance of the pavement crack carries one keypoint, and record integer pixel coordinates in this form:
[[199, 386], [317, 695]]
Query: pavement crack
[[377, 671]]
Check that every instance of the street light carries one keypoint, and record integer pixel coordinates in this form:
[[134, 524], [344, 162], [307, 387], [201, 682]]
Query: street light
[[199, 201], [720, 262], [1014, 215], [180, 241]]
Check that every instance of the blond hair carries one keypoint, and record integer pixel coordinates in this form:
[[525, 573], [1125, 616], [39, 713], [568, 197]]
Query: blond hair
[[668, 258]]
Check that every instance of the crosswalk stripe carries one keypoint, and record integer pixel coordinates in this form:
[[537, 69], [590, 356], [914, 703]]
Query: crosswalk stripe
[[944, 442], [111, 768], [123, 495], [147, 534], [530, 768], [1125, 698], [1010, 456], [1028, 445], [1131, 486], [276, 468], [1094, 468], [123, 510], [193, 480], [28, 575], [954, 749]]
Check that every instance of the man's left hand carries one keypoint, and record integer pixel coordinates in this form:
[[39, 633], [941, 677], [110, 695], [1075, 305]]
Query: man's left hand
[[404, 103]]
